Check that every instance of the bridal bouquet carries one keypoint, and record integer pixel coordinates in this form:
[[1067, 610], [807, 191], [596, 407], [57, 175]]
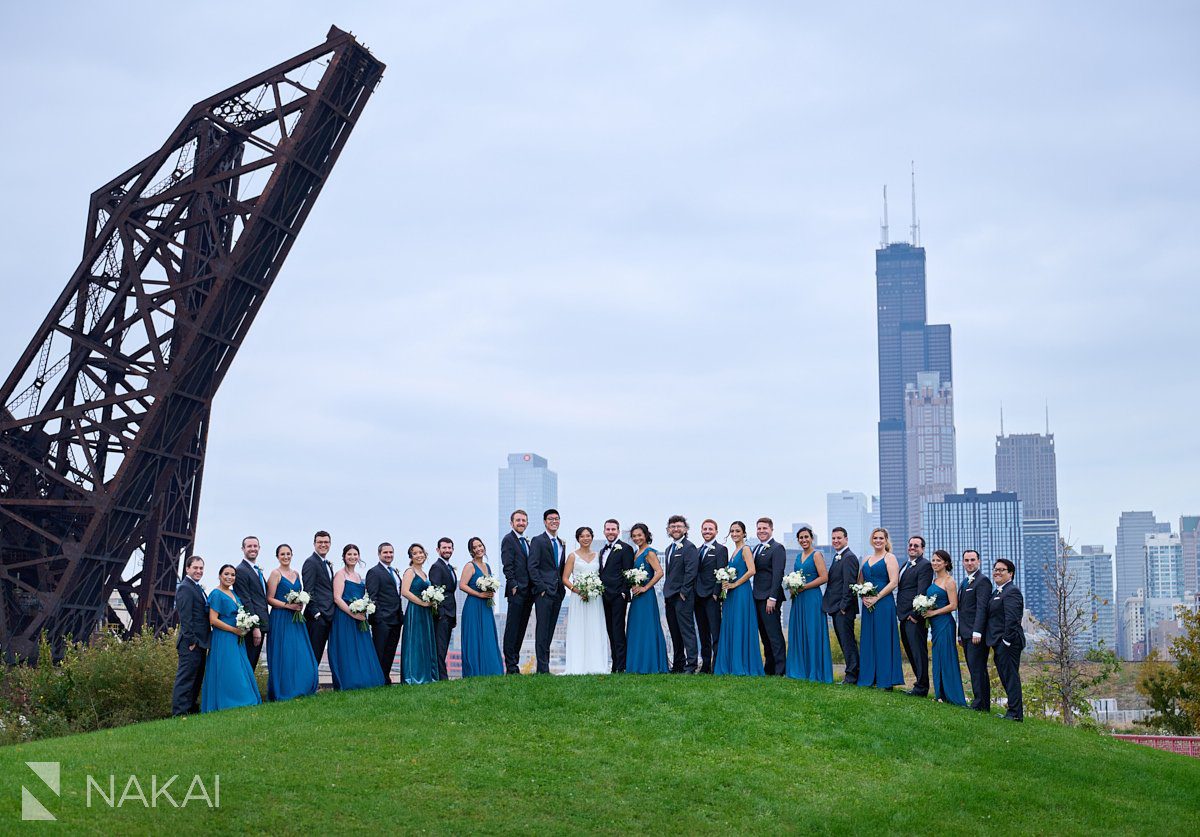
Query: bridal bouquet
[[301, 598], [636, 577], [725, 575], [924, 604], [247, 621], [435, 595], [863, 590], [364, 606], [587, 586], [489, 584], [794, 582]]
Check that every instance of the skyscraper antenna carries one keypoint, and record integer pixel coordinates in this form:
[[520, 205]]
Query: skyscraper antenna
[[883, 228], [1001, 418], [1047, 416], [916, 225]]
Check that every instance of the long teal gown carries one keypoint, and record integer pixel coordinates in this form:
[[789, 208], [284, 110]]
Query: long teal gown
[[808, 656], [228, 679], [879, 651], [646, 651], [738, 648], [947, 676], [291, 666], [352, 657], [480, 643], [418, 655]]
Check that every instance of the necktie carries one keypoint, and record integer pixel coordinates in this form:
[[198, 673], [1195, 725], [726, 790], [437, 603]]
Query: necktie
[[604, 554], [328, 568], [554, 543], [524, 546], [395, 577], [260, 579]]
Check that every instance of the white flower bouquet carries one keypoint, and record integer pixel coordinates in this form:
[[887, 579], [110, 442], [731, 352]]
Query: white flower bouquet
[[794, 582], [636, 577], [435, 595], [867, 588], [301, 598], [725, 575], [489, 584], [587, 585], [246, 621], [366, 607], [924, 604]]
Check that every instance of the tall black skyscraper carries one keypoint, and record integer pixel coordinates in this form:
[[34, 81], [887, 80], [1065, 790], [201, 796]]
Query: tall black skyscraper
[[907, 347]]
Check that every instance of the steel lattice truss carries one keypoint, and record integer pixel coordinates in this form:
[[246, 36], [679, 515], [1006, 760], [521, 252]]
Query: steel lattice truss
[[105, 417]]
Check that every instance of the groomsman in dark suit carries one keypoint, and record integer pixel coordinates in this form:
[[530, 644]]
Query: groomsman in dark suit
[[1005, 634], [250, 586], [713, 556], [973, 596], [616, 557], [442, 573], [915, 577], [317, 577], [769, 560], [547, 552], [514, 558], [383, 586], [191, 605], [840, 603], [679, 594]]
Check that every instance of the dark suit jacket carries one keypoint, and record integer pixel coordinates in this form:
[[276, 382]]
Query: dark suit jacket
[[250, 591], [318, 583], [515, 564], [715, 558], [842, 573], [913, 583], [544, 575], [192, 606], [383, 590], [613, 572], [768, 571], [973, 606], [442, 573], [1004, 612], [681, 569]]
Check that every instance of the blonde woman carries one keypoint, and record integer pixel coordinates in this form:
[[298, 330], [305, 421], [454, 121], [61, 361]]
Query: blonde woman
[[879, 656]]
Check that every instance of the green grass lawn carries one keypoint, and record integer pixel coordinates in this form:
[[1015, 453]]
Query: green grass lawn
[[615, 755]]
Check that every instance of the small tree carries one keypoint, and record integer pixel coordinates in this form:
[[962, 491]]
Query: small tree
[[1173, 691]]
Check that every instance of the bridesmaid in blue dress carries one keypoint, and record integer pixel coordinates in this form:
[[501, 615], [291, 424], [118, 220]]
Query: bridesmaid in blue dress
[[879, 653], [808, 656], [947, 676], [418, 654], [291, 666], [352, 657], [480, 643], [738, 648], [646, 646], [228, 679]]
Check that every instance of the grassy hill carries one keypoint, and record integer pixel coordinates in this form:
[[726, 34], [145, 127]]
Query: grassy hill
[[613, 754]]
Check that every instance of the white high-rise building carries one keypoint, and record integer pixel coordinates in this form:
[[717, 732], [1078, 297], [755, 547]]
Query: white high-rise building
[[854, 512]]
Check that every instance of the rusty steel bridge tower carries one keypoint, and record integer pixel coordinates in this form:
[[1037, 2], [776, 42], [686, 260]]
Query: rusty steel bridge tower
[[104, 419]]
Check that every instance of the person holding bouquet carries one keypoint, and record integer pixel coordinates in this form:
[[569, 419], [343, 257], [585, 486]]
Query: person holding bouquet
[[738, 649], [418, 654], [291, 666], [947, 676], [879, 656], [587, 636], [480, 642], [228, 679], [352, 656], [647, 647], [808, 654]]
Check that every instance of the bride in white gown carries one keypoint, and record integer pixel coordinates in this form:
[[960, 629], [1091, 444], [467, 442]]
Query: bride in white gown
[[587, 636]]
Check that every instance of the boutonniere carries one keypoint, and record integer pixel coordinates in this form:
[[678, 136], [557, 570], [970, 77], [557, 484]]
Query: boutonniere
[[617, 548]]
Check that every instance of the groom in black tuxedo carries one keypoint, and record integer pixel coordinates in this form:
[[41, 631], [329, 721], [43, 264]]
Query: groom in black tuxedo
[[769, 559], [514, 558], [679, 593], [840, 602], [915, 577], [973, 597], [713, 556], [442, 574], [192, 607], [547, 553], [383, 586], [250, 586], [317, 576], [1005, 634], [616, 557]]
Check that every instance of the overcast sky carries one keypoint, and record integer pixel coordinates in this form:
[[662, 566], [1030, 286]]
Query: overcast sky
[[638, 239]]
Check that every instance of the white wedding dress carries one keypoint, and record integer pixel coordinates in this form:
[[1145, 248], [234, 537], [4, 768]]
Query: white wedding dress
[[587, 636]]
